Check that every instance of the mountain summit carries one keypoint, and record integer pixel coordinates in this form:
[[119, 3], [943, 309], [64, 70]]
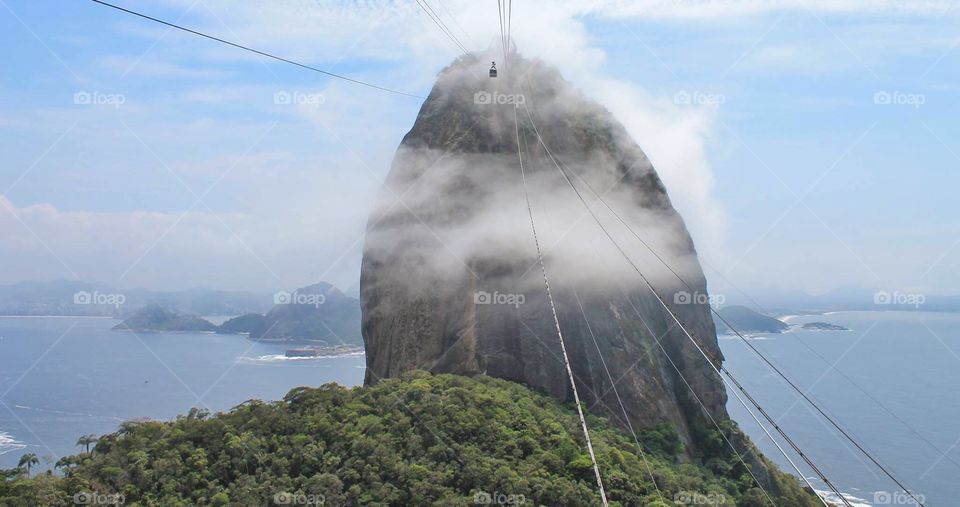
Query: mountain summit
[[450, 280]]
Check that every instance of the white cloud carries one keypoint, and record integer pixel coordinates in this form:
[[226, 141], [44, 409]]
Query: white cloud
[[300, 199]]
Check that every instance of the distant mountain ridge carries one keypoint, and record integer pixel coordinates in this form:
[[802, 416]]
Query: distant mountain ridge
[[318, 314], [784, 301], [69, 297]]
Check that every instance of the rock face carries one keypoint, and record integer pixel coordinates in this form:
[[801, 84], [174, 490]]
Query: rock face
[[450, 280]]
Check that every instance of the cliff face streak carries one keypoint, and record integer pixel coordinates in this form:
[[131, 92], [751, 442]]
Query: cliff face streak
[[450, 281]]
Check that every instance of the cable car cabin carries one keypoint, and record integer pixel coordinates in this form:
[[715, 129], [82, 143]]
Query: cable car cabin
[[493, 69]]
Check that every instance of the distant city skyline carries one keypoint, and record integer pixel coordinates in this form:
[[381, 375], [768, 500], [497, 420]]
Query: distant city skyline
[[808, 145]]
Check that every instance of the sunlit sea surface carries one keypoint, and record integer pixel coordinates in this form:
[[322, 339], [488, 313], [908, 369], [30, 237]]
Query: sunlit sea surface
[[62, 377], [891, 381]]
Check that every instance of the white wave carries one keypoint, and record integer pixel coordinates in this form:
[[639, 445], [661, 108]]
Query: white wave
[[833, 499], [9, 444], [746, 336], [280, 358]]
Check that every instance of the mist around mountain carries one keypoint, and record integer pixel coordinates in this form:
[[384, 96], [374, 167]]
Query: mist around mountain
[[449, 280], [450, 283]]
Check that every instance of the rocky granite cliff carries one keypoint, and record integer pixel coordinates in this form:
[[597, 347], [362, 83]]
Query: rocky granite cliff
[[449, 276]]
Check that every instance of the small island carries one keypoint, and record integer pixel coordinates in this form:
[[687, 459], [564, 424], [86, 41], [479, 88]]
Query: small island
[[153, 318], [745, 320], [822, 326]]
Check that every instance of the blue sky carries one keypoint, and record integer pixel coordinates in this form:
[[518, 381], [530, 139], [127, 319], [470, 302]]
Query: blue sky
[[762, 118]]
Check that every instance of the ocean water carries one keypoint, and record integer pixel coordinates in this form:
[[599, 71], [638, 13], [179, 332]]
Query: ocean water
[[891, 382], [62, 377]]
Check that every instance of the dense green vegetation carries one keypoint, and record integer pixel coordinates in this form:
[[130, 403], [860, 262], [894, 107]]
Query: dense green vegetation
[[424, 440]]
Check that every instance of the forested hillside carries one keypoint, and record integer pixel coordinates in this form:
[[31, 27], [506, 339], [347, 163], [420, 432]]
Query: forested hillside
[[421, 440]]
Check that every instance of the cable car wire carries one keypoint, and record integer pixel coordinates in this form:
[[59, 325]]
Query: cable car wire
[[509, 27], [256, 51], [500, 14], [556, 319], [613, 385], [756, 351], [706, 411], [441, 25], [722, 369]]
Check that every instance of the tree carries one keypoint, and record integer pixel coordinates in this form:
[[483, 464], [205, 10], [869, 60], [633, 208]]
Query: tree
[[28, 460], [64, 463], [86, 441]]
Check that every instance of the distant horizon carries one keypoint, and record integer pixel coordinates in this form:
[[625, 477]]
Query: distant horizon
[[748, 291]]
